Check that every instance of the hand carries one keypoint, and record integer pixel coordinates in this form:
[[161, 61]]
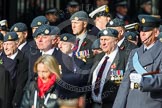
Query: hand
[[135, 77]]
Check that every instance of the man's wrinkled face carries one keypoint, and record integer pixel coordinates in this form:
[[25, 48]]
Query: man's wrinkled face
[[45, 42], [10, 47], [66, 47]]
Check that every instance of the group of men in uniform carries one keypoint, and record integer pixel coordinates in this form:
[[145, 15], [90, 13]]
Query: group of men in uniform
[[119, 75]]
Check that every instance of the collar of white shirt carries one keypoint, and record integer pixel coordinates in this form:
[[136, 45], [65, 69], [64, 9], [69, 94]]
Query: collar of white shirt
[[13, 56], [22, 45], [49, 52]]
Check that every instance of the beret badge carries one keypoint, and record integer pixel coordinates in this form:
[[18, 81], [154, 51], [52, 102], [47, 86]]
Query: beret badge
[[105, 32], [143, 20], [65, 38], [15, 29], [111, 22], [39, 23], [46, 31], [9, 37], [76, 18], [130, 37]]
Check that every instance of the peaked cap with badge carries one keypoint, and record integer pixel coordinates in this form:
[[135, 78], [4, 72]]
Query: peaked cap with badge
[[100, 11], [132, 27], [10, 36], [148, 22], [80, 15], [115, 23], [108, 32], [19, 27], [38, 21]]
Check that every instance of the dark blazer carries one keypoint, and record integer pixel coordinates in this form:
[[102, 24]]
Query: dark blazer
[[25, 49], [20, 80], [150, 95], [127, 46], [110, 88], [6, 89], [94, 31]]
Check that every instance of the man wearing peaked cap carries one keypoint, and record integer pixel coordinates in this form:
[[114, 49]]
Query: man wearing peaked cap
[[148, 22], [101, 17], [111, 60], [17, 65], [141, 85], [123, 43], [22, 32], [121, 9]]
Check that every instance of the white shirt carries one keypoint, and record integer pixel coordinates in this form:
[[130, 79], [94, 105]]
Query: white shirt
[[22, 45], [13, 56], [49, 52], [121, 41], [148, 47], [81, 37], [111, 56]]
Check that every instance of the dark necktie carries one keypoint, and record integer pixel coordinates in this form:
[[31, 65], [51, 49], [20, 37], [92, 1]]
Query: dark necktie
[[99, 76], [145, 50], [76, 45]]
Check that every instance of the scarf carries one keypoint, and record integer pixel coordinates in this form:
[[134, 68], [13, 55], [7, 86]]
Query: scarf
[[44, 87]]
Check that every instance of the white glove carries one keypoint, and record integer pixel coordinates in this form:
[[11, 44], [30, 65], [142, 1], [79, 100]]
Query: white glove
[[135, 77]]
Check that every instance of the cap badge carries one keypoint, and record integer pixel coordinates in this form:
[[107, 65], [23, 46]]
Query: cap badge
[[65, 38], [9, 37], [46, 31], [15, 29], [39, 23], [143, 20], [111, 22], [105, 32], [53, 96], [76, 18], [130, 37], [107, 9]]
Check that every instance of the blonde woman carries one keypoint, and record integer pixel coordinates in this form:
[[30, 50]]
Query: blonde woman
[[41, 92]]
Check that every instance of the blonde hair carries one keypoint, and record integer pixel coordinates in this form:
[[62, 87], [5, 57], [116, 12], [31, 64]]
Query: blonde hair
[[50, 62]]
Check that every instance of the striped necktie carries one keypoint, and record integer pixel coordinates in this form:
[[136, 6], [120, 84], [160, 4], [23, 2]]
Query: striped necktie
[[76, 45], [99, 76]]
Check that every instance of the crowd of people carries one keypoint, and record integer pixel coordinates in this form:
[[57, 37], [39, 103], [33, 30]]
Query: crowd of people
[[90, 60]]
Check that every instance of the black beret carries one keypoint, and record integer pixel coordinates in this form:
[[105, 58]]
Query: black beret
[[52, 11], [10, 36], [148, 22], [19, 27], [67, 37], [38, 21], [108, 32], [115, 23]]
